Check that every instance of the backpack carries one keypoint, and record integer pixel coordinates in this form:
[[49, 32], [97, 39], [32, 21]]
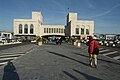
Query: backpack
[[96, 50]]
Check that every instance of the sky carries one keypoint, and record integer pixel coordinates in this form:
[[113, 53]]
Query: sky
[[104, 13]]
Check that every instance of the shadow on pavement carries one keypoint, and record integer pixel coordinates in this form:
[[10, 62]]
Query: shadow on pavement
[[80, 54], [98, 58], [50, 44], [70, 75], [10, 72], [88, 77], [58, 54]]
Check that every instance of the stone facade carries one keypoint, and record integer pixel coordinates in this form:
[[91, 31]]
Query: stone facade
[[53, 30], [35, 27], [36, 22], [78, 28]]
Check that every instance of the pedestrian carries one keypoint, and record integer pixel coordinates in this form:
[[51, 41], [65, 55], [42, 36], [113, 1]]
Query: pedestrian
[[60, 41], [57, 41], [92, 43]]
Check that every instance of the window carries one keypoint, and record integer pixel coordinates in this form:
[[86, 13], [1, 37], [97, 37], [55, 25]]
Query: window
[[26, 29], [59, 30], [77, 30], [49, 30], [87, 29], [55, 30], [45, 30], [20, 29], [82, 30], [52, 30], [31, 29], [63, 30]]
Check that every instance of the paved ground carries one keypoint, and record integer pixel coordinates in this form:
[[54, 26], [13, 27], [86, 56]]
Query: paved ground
[[58, 62], [11, 52]]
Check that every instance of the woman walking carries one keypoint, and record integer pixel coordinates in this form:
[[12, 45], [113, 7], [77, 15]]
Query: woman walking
[[92, 43]]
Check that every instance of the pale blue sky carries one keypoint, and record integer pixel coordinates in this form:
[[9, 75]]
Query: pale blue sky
[[105, 13]]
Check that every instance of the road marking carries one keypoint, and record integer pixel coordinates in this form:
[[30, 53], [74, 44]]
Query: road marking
[[110, 53], [3, 63], [14, 53], [5, 57], [8, 58], [101, 48], [105, 50], [117, 57]]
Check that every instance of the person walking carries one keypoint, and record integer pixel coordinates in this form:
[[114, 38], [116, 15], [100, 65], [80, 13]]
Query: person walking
[[60, 41], [92, 43]]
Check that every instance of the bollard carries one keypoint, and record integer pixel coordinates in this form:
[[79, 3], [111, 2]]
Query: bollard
[[101, 43], [78, 44], [39, 43], [113, 45], [75, 43], [107, 44]]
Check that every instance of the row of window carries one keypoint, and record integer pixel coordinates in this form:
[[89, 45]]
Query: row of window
[[53, 30], [49, 30], [26, 29], [82, 31]]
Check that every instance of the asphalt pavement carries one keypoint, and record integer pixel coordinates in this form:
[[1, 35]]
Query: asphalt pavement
[[58, 62]]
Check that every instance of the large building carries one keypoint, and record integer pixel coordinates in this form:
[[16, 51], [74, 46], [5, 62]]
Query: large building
[[79, 28], [34, 27]]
